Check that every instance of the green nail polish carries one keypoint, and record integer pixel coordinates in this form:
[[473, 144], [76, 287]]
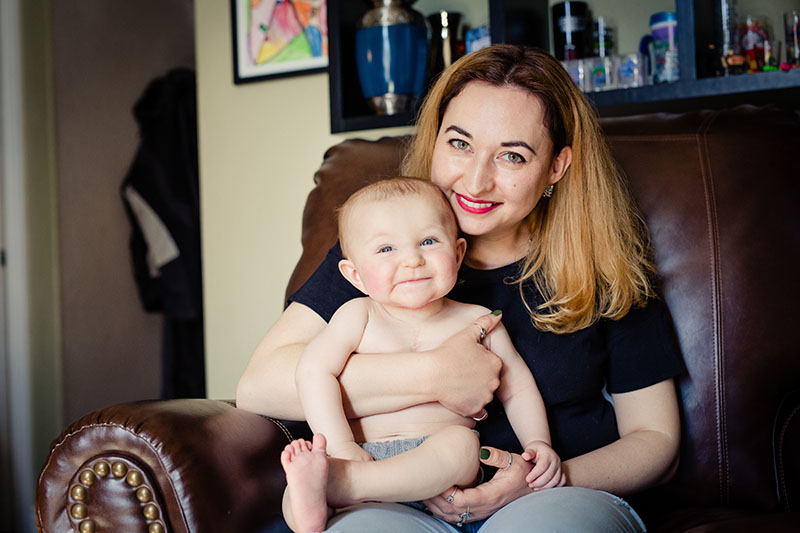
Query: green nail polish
[[497, 312], [484, 453]]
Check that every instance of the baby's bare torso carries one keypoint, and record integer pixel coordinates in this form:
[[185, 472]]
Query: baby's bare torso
[[385, 334]]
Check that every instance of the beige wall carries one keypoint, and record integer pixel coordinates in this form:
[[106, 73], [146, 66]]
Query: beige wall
[[260, 144]]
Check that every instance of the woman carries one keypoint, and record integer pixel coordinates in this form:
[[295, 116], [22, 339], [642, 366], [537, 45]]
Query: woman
[[554, 242]]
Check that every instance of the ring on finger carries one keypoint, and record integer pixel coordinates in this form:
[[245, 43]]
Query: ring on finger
[[483, 331], [510, 460], [449, 499], [463, 516], [484, 416]]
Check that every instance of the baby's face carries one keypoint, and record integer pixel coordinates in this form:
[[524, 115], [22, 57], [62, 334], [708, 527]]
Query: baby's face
[[405, 250]]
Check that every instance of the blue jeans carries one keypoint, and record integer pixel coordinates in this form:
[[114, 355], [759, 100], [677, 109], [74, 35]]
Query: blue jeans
[[559, 509]]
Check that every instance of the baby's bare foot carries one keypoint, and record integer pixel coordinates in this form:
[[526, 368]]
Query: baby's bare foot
[[306, 467]]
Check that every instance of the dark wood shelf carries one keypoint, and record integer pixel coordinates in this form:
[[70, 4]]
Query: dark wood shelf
[[527, 22], [721, 86], [371, 121], [515, 21]]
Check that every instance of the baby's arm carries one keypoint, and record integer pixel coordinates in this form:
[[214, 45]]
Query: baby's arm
[[525, 409], [317, 374]]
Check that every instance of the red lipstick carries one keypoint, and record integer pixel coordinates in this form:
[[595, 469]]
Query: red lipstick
[[477, 207]]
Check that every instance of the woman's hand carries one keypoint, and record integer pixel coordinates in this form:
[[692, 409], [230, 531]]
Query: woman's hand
[[484, 500], [465, 373]]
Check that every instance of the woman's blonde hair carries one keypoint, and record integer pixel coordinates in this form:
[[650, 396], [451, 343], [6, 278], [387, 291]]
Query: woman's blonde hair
[[589, 253]]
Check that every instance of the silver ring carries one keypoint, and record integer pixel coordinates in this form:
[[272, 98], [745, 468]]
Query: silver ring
[[510, 460], [449, 499], [463, 517], [483, 331], [481, 418]]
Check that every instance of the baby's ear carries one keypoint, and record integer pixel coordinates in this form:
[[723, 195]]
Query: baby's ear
[[461, 249], [348, 270]]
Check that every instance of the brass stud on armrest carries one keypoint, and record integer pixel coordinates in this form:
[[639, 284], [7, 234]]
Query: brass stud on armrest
[[78, 511], [134, 478], [96, 474], [78, 493], [143, 494], [150, 511], [87, 478], [119, 469], [102, 469]]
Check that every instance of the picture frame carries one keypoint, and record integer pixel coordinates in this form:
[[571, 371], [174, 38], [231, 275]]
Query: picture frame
[[278, 38]]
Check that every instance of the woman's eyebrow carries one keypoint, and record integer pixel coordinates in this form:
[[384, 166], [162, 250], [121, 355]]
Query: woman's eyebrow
[[458, 130], [512, 144], [523, 144]]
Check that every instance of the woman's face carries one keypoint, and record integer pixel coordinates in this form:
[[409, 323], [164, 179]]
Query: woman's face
[[493, 160]]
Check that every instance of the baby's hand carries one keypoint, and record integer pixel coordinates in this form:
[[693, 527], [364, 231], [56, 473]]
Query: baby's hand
[[349, 451], [546, 472]]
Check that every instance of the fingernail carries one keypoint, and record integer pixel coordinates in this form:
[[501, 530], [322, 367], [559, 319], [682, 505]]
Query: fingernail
[[484, 453], [497, 312]]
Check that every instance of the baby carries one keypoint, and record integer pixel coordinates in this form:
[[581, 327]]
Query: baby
[[400, 242]]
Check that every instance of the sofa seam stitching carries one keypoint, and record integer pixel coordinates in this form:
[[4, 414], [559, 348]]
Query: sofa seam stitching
[[282, 427], [717, 318], [781, 475]]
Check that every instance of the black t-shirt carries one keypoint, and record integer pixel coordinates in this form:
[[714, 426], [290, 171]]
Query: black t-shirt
[[572, 370]]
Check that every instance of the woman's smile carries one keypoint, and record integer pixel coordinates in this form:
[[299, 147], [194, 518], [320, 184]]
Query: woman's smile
[[477, 207]]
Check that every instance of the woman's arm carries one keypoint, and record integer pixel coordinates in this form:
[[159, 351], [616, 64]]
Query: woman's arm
[[267, 385], [461, 374], [646, 453]]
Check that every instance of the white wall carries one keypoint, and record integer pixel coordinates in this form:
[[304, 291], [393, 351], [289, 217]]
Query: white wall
[[260, 144]]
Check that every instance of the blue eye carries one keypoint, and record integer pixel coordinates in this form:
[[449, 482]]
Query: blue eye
[[385, 249], [428, 241]]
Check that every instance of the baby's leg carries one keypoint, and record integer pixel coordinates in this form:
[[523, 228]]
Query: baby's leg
[[448, 457], [305, 505]]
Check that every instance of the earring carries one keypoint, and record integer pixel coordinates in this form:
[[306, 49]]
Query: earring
[[548, 192]]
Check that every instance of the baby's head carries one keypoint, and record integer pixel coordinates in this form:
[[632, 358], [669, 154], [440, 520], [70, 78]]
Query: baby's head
[[400, 241]]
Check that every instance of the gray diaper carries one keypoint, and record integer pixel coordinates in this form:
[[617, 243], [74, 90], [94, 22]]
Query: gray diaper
[[390, 448]]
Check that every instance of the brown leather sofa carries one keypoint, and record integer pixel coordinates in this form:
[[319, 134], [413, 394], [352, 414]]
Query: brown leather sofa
[[720, 192]]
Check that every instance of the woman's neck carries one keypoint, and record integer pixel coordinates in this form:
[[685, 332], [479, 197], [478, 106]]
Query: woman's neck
[[485, 252]]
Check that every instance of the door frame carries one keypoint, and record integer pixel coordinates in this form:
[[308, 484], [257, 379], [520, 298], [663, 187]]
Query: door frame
[[16, 403]]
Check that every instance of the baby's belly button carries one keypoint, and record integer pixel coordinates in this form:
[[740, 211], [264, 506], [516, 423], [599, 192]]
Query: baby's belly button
[[409, 430]]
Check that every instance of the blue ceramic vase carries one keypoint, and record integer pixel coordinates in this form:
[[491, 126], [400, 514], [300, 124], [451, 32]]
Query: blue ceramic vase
[[392, 56]]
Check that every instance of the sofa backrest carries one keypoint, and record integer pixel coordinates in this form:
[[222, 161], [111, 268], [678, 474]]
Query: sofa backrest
[[719, 191]]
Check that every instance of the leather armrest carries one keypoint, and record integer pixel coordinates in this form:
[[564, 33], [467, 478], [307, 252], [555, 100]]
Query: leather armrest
[[190, 465], [787, 446]]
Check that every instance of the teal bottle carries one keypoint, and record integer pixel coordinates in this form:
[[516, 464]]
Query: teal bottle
[[392, 56]]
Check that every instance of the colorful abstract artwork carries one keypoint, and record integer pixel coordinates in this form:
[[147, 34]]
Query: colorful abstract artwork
[[278, 38]]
